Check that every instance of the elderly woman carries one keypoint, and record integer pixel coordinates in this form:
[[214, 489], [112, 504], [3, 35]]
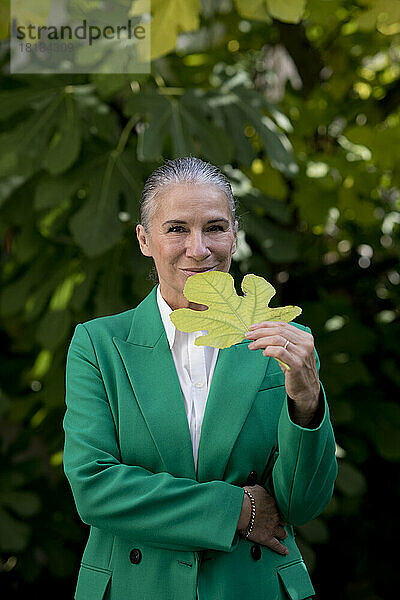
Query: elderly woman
[[191, 464]]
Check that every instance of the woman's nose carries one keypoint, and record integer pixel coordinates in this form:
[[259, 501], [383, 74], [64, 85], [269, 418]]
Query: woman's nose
[[196, 247]]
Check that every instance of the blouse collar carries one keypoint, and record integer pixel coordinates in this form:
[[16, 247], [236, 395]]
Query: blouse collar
[[165, 311]]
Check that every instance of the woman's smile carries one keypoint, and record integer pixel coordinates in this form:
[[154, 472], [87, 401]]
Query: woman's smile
[[194, 270]]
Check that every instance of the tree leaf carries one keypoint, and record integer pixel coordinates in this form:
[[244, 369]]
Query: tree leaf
[[13, 295], [289, 11], [169, 18], [350, 481], [96, 226], [13, 101], [157, 109], [315, 532], [277, 210], [29, 12], [53, 190], [253, 9], [186, 122], [8, 185], [275, 143], [181, 139], [214, 142], [278, 244], [152, 135], [23, 503], [53, 328], [229, 316], [4, 20], [378, 12], [14, 534], [244, 151], [379, 141], [108, 84], [24, 146], [65, 145]]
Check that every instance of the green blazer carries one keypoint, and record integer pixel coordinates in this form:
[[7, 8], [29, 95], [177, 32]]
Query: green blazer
[[158, 530]]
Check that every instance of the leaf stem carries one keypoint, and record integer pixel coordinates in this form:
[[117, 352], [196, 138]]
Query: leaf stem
[[125, 136], [283, 364]]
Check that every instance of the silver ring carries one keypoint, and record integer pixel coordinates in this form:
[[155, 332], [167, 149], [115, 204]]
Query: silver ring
[[286, 345]]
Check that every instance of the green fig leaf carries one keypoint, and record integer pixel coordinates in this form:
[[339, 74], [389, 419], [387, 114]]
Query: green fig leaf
[[228, 315]]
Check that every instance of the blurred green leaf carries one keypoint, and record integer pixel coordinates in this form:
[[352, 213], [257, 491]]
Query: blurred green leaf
[[13, 101], [8, 185], [53, 190], [385, 431], [14, 294], [184, 120], [53, 328], [276, 144], [315, 532], [151, 135], [270, 206], [25, 504], [253, 9], [14, 535], [169, 19], [107, 85], [277, 243], [379, 140], [63, 149], [96, 226], [350, 481], [289, 11]]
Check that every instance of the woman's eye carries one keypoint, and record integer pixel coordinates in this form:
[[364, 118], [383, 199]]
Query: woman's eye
[[175, 229], [216, 228], [180, 228]]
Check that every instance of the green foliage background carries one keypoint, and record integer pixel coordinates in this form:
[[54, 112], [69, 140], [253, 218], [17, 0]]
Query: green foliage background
[[298, 103]]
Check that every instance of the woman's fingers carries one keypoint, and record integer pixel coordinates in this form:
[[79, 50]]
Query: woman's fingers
[[281, 534], [268, 324], [280, 328], [272, 340], [275, 545], [269, 525]]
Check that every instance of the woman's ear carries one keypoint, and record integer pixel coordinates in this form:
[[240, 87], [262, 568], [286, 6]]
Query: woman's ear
[[143, 239]]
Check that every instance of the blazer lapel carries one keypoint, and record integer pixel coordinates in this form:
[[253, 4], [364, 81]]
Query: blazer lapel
[[236, 380], [151, 370]]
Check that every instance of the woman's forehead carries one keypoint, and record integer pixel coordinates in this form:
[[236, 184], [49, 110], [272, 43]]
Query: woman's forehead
[[188, 200]]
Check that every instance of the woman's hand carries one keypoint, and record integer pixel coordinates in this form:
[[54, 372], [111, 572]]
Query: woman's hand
[[268, 525], [301, 382]]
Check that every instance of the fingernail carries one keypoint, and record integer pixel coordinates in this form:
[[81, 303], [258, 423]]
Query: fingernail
[[248, 333]]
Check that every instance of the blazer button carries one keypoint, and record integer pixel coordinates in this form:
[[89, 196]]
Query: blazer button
[[252, 478], [135, 556], [255, 552]]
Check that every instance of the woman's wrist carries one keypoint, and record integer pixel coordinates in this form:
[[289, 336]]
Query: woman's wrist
[[245, 515], [248, 514], [250, 526]]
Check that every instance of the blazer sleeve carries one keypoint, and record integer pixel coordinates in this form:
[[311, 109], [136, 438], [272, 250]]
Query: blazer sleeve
[[305, 469], [129, 501]]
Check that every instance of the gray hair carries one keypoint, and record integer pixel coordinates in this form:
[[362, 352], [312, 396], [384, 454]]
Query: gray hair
[[187, 169]]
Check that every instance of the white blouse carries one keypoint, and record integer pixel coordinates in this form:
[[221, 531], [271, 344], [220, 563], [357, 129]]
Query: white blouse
[[195, 367]]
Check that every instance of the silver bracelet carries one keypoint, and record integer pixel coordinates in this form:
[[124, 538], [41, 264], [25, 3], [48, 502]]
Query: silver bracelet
[[247, 531]]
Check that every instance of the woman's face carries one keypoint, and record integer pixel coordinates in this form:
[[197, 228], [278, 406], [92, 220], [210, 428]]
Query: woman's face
[[190, 231]]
